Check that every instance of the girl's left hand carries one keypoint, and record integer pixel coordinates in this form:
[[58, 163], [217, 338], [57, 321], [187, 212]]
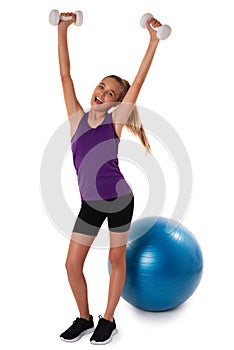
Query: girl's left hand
[[67, 23], [155, 24]]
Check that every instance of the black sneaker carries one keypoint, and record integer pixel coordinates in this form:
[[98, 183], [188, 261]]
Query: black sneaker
[[79, 327], [103, 332]]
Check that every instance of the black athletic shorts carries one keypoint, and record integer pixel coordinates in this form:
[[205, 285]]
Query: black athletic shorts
[[118, 211]]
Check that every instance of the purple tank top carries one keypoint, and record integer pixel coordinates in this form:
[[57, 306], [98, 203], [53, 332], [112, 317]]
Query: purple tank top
[[95, 157]]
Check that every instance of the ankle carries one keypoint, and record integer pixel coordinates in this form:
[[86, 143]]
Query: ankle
[[108, 317], [85, 316]]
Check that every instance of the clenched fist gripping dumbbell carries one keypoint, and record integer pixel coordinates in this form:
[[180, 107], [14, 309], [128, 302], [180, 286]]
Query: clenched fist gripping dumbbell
[[55, 17], [163, 32]]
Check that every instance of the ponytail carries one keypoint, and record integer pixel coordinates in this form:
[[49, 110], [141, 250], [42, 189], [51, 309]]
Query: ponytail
[[134, 124]]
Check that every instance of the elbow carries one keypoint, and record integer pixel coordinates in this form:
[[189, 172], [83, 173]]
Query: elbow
[[65, 76], [139, 82]]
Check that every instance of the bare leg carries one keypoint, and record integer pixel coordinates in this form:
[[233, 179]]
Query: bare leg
[[117, 258], [77, 252]]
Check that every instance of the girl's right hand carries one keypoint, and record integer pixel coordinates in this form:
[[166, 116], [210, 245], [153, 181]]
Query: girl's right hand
[[151, 25], [66, 24]]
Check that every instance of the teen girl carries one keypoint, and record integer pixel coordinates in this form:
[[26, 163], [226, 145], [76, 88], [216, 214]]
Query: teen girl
[[103, 189]]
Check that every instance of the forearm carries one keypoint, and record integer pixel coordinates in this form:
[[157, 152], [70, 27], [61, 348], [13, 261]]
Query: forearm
[[133, 92], [146, 63], [64, 60]]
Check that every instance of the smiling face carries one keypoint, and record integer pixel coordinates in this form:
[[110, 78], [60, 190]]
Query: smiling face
[[106, 94]]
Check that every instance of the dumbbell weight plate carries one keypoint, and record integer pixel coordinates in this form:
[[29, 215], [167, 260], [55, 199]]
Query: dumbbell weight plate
[[144, 19], [163, 32], [79, 18], [54, 17]]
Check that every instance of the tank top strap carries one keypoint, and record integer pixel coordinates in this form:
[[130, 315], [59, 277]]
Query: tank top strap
[[82, 127], [108, 118]]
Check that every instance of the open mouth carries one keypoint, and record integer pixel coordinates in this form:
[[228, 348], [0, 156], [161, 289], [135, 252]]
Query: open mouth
[[98, 100]]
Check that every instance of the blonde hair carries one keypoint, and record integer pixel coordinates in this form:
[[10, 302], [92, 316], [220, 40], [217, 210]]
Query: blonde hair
[[134, 124]]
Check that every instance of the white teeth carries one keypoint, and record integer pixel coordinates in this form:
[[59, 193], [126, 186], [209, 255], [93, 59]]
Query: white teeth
[[97, 98]]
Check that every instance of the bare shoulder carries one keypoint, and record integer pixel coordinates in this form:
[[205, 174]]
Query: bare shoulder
[[120, 116], [118, 125], [75, 120]]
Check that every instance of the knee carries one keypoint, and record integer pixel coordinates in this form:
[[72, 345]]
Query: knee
[[116, 259], [72, 268], [69, 265]]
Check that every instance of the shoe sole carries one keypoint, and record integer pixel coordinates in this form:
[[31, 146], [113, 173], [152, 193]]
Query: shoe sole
[[115, 331], [87, 331]]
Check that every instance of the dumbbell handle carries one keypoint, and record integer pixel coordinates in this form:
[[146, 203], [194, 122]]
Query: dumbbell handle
[[163, 32], [65, 18]]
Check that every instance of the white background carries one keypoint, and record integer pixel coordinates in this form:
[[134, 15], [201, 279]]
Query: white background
[[190, 84]]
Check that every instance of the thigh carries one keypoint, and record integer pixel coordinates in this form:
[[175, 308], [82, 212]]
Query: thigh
[[118, 239], [77, 253], [83, 239], [89, 219], [119, 220]]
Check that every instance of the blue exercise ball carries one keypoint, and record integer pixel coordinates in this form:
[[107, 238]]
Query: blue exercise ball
[[164, 264]]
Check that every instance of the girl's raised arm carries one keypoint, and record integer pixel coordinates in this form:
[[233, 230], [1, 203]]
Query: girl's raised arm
[[122, 113], [72, 104]]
